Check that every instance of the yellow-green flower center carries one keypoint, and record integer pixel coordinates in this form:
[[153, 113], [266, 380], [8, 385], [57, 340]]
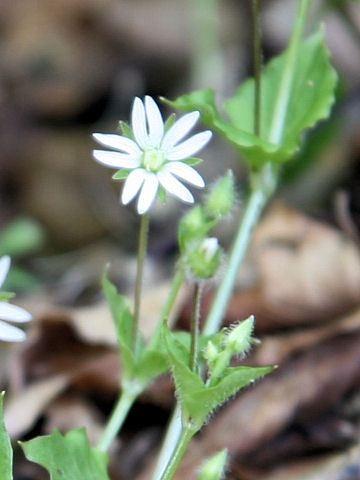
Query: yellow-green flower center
[[153, 159]]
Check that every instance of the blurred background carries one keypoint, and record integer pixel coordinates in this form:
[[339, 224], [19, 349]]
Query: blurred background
[[72, 67]]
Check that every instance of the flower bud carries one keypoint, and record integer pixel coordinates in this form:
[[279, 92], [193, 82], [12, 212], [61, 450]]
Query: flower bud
[[205, 259], [221, 199], [213, 469], [210, 352], [238, 339]]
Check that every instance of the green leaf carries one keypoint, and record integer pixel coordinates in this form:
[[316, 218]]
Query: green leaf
[[68, 457], [124, 322], [200, 403], [197, 399], [314, 82], [152, 364], [6, 455], [20, 237]]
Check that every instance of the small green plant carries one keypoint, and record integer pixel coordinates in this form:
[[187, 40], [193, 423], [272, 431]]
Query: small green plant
[[265, 122]]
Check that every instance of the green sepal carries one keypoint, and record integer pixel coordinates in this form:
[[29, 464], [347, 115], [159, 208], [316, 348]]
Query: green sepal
[[124, 323], [192, 161], [161, 193], [121, 174], [169, 121], [126, 130], [67, 457], [6, 454], [193, 227], [314, 82], [5, 296]]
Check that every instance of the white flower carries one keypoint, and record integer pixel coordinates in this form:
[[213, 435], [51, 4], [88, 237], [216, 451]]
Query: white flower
[[156, 157], [11, 313]]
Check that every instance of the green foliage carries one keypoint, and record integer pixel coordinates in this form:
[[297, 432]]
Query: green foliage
[[20, 237], [283, 116], [67, 457], [150, 362], [197, 399], [6, 455]]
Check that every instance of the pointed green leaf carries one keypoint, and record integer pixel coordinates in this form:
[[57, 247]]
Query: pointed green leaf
[[124, 322], [185, 380], [68, 457], [314, 82], [6, 455], [152, 364], [202, 402]]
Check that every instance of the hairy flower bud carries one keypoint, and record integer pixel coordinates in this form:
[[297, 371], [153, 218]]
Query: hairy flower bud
[[204, 260], [213, 469], [238, 339], [221, 199]]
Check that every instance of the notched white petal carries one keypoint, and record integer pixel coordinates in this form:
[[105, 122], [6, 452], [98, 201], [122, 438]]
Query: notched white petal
[[185, 172], [118, 142], [154, 121], [148, 193], [9, 333], [178, 131], [14, 313], [189, 147], [4, 268], [132, 185], [138, 123], [115, 159], [174, 187]]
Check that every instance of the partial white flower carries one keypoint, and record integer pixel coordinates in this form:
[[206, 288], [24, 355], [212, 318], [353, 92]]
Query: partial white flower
[[155, 157], [11, 313]]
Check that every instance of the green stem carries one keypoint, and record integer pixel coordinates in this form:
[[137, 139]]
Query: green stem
[[195, 329], [257, 65], [254, 208], [283, 97], [116, 420], [175, 288], [206, 61], [142, 247], [178, 453]]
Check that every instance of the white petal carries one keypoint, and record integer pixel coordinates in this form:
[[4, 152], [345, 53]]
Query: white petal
[[189, 147], [4, 268], [148, 193], [9, 333], [138, 123], [118, 142], [132, 185], [178, 131], [155, 122], [185, 172], [14, 313], [174, 187], [115, 159]]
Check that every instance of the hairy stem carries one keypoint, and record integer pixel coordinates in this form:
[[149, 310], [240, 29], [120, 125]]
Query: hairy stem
[[116, 420], [142, 248], [195, 329], [257, 59]]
